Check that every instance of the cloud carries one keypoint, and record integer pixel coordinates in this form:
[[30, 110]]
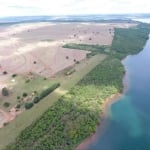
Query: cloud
[[65, 7]]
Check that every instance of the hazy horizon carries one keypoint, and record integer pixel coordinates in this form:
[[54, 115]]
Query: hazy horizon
[[71, 7]]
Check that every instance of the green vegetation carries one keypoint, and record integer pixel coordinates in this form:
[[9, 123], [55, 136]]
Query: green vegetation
[[75, 116], [94, 49], [36, 100], [5, 91], [126, 41], [24, 95], [14, 75], [129, 41], [18, 97], [43, 94], [49, 90], [29, 105], [21, 89], [6, 104], [25, 119]]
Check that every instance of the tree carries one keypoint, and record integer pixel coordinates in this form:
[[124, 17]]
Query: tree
[[28, 105], [5, 72], [5, 91], [75, 60], [18, 97], [24, 94], [67, 57], [36, 100], [14, 75], [6, 104]]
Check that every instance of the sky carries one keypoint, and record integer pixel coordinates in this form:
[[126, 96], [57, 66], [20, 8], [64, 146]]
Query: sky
[[71, 7]]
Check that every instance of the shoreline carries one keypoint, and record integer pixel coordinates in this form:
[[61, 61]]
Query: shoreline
[[106, 104]]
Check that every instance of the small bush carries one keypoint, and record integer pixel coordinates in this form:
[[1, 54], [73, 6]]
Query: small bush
[[24, 94], [5, 91], [18, 97], [5, 72], [14, 75], [67, 57], [28, 105], [27, 81], [6, 104], [36, 100], [35, 92], [77, 62], [5, 124]]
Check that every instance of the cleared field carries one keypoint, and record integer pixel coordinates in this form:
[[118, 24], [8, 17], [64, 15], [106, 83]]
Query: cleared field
[[38, 47], [12, 130], [43, 61]]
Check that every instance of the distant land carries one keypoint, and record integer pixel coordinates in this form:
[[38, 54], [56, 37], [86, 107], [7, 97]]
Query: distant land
[[73, 18]]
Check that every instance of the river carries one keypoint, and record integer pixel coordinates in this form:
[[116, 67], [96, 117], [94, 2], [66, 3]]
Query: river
[[127, 125]]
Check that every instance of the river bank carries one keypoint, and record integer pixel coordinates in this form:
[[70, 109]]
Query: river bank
[[106, 104], [104, 113]]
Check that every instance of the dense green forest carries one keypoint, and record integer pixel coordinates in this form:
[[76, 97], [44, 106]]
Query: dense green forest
[[129, 41], [94, 49], [75, 116], [88, 47]]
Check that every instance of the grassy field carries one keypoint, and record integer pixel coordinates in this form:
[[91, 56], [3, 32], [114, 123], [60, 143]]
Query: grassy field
[[75, 116], [21, 84], [12, 130]]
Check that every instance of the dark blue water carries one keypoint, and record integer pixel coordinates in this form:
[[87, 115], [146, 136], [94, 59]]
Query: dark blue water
[[127, 126]]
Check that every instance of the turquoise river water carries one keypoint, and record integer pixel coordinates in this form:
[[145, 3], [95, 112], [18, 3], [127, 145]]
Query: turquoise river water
[[127, 125]]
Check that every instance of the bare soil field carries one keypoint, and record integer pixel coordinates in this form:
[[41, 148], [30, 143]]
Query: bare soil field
[[38, 48]]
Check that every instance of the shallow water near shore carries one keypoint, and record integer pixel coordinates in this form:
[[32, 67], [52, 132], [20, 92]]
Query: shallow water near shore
[[127, 125]]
